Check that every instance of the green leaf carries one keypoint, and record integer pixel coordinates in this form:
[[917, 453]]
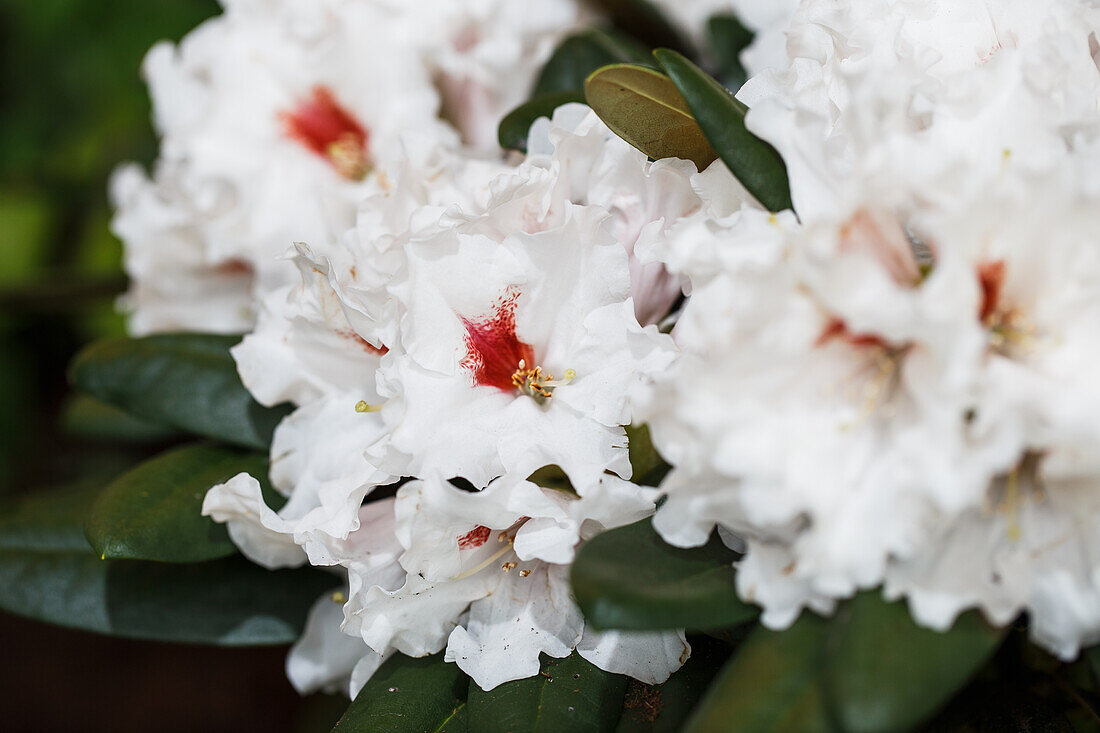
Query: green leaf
[[407, 694], [515, 126], [664, 708], [1093, 655], [648, 467], [89, 419], [154, 512], [722, 118], [869, 668], [643, 20], [629, 578], [770, 685], [727, 38], [568, 694], [582, 53], [887, 673], [50, 573], [186, 381], [643, 107]]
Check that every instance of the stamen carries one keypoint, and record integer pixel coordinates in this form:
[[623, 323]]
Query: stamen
[[364, 406], [323, 126], [485, 564]]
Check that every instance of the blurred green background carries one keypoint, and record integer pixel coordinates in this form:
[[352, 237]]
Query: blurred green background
[[73, 107]]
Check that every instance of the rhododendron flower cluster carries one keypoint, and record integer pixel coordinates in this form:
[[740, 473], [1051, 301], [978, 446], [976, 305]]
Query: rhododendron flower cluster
[[887, 386]]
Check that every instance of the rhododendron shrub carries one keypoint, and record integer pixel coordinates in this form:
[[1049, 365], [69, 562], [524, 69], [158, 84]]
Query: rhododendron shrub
[[761, 408]]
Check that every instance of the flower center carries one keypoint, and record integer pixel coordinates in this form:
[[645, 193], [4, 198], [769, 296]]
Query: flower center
[[497, 358], [326, 128], [1008, 327]]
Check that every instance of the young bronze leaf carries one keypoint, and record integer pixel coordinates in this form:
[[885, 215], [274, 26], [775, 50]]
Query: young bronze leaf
[[643, 107]]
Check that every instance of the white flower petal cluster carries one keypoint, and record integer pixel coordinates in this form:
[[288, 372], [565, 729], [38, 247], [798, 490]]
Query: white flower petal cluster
[[477, 323], [892, 387], [279, 117]]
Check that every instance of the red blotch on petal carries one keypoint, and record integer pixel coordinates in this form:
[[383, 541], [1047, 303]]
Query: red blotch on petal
[[326, 128], [362, 343], [493, 351], [838, 329], [991, 278], [475, 538]]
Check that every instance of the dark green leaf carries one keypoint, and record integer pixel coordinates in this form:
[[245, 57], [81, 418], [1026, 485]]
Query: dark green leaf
[[154, 512], [51, 520], [642, 19], [664, 708], [582, 53], [644, 107], [722, 118], [50, 573], [513, 129], [186, 381], [568, 694], [629, 578], [1093, 655], [727, 39], [886, 673], [648, 466], [89, 419], [869, 668], [406, 694], [771, 685]]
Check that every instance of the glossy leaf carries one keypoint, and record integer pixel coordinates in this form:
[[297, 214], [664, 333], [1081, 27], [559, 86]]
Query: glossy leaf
[[643, 20], [514, 128], [407, 694], [722, 118], [568, 694], [727, 38], [629, 578], [885, 672], [49, 572], [89, 419], [644, 107], [647, 465], [186, 381], [582, 53], [664, 708], [772, 684], [869, 668], [154, 512]]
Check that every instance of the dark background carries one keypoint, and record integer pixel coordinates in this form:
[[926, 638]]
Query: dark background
[[72, 107]]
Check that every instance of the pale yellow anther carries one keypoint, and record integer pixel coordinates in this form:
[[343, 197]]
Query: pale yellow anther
[[364, 406], [339, 597], [570, 373]]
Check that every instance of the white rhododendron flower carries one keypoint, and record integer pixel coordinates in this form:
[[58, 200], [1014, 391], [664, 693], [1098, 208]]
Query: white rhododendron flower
[[421, 345], [486, 578], [486, 55], [1029, 545], [177, 284], [593, 167], [275, 119], [515, 352], [305, 351], [868, 394]]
